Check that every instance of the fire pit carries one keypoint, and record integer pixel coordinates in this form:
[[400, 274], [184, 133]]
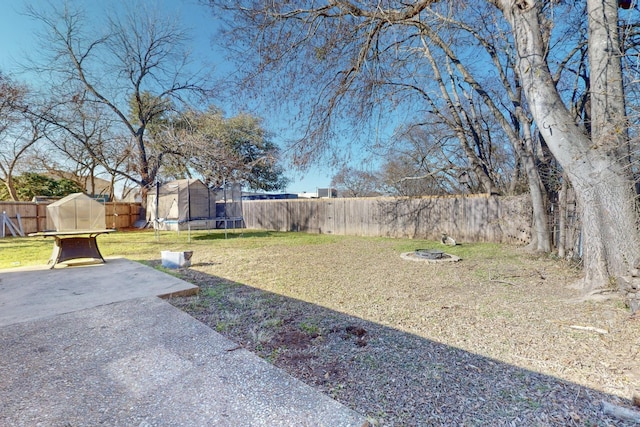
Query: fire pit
[[429, 256], [429, 253]]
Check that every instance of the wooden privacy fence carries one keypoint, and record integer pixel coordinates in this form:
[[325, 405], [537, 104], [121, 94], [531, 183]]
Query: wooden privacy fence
[[34, 215], [121, 214], [470, 218]]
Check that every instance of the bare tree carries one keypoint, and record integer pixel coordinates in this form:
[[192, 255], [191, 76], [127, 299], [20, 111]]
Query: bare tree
[[139, 52], [81, 144], [339, 47], [352, 182], [425, 159], [367, 61], [19, 132], [517, 130], [596, 164]]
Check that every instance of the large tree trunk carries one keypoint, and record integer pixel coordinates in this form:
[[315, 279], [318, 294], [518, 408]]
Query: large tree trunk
[[540, 240], [606, 199], [608, 124], [598, 174]]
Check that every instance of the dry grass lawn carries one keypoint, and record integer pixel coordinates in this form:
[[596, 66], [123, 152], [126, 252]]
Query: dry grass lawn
[[499, 338]]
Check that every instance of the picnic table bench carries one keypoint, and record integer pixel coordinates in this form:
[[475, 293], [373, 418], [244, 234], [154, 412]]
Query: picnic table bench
[[76, 244]]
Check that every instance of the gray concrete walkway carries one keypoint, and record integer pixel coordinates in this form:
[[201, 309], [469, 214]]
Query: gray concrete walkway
[[94, 345]]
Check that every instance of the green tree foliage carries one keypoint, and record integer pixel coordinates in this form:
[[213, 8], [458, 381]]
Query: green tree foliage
[[220, 149], [28, 185], [145, 107]]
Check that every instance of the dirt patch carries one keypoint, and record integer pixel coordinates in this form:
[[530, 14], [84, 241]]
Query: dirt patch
[[292, 339], [487, 341]]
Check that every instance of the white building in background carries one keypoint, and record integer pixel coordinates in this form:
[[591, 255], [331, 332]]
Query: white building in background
[[327, 193], [321, 193], [306, 195]]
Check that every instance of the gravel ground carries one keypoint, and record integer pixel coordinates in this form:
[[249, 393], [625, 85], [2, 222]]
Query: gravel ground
[[498, 338]]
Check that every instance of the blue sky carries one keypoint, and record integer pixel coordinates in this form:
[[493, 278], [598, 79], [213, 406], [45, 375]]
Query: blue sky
[[18, 38]]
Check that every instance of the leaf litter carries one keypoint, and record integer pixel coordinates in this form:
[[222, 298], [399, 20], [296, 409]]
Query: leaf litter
[[484, 341]]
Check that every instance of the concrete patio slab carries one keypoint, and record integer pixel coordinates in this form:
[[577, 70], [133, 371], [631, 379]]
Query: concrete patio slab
[[87, 346], [31, 293]]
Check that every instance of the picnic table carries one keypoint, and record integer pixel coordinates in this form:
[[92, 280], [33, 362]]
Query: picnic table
[[76, 244]]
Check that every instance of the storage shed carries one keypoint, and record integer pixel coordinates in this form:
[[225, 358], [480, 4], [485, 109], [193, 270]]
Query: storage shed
[[76, 212], [188, 203]]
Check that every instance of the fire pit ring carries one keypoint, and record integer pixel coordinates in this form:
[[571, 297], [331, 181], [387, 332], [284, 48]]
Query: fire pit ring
[[429, 253], [429, 256]]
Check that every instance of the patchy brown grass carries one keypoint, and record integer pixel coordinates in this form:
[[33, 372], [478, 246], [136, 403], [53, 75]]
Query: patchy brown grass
[[489, 340]]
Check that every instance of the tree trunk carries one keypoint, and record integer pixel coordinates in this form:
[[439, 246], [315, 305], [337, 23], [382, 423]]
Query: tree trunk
[[459, 125], [541, 235], [606, 199], [521, 144], [598, 175], [562, 218], [147, 174], [608, 118], [11, 187], [610, 194]]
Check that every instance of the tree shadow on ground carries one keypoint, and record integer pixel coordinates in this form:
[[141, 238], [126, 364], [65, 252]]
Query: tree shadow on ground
[[388, 375]]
